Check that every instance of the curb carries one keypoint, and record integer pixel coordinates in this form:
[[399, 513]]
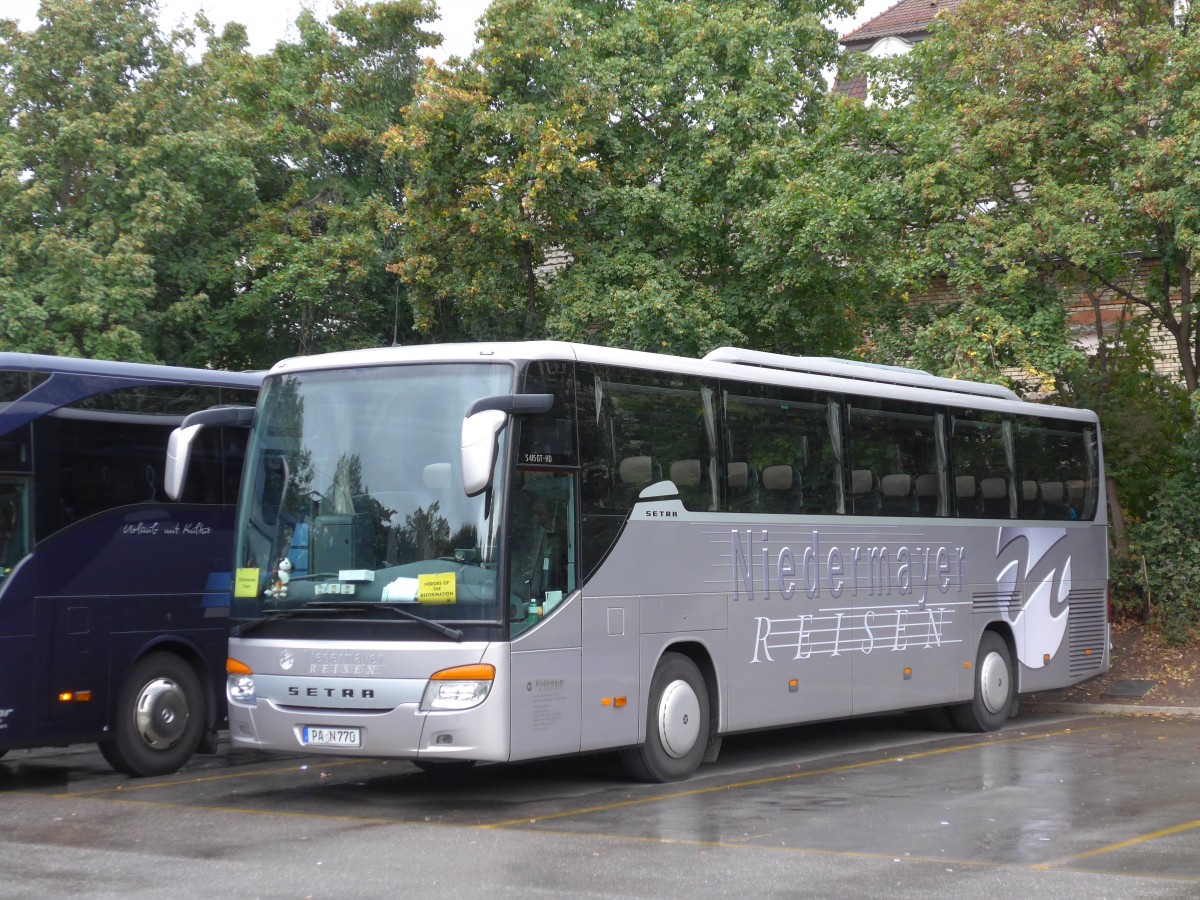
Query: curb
[[1108, 709]]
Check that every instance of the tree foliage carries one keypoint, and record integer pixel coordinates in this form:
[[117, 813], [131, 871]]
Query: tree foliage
[[1144, 415], [121, 188], [1166, 560], [1049, 147], [501, 162], [226, 211], [313, 272], [595, 171], [665, 174]]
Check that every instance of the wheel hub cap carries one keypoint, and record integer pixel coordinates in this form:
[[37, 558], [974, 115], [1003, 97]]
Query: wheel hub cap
[[679, 719], [161, 713], [993, 683]]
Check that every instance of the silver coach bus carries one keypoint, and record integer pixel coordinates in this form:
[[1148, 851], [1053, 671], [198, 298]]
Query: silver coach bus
[[499, 552]]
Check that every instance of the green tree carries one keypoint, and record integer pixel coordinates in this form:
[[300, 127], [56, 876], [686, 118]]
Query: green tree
[[631, 145], [1048, 148], [501, 160], [1167, 546], [1144, 415], [313, 275], [122, 189]]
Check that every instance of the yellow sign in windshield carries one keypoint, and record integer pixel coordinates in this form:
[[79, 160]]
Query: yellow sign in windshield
[[439, 588], [245, 583]]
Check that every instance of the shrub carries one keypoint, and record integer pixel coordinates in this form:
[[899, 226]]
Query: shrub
[[1169, 542]]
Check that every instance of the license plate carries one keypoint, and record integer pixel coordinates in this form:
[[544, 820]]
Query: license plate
[[331, 737], [334, 588]]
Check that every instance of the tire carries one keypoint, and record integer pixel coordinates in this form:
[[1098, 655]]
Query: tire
[[994, 688], [677, 723], [159, 719]]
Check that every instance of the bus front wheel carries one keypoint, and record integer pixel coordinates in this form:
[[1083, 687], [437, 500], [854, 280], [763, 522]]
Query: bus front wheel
[[993, 699], [159, 717], [677, 723]]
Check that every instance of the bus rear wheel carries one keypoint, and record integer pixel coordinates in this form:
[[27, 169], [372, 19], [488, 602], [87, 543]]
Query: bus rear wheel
[[677, 723], [159, 718], [993, 699]]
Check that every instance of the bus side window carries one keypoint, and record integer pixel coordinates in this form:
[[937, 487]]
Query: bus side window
[[783, 455], [600, 523], [542, 555], [1057, 469], [548, 439], [896, 449], [14, 523], [216, 466], [982, 447], [637, 428], [654, 427]]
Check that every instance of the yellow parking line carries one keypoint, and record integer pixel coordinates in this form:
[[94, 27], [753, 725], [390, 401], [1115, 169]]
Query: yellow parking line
[[1120, 845], [808, 851], [775, 779]]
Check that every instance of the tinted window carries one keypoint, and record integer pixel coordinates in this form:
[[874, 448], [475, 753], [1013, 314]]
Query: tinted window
[[650, 427], [86, 466], [783, 453], [109, 450], [897, 459], [548, 439], [15, 454], [1058, 462], [982, 447], [14, 522], [637, 428]]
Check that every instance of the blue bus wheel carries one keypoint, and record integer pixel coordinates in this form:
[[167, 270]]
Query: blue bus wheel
[[677, 723], [159, 718]]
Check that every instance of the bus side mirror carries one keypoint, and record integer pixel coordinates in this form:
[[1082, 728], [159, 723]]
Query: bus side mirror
[[179, 444], [179, 452], [485, 420], [479, 433]]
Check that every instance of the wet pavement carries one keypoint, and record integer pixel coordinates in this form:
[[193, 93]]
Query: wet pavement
[[1060, 805]]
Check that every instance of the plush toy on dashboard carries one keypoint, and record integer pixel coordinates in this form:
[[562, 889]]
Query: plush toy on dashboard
[[283, 573]]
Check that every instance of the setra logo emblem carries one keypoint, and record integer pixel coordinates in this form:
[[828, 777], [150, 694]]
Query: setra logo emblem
[[287, 659]]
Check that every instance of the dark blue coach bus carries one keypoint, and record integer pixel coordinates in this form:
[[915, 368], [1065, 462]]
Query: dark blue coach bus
[[114, 601]]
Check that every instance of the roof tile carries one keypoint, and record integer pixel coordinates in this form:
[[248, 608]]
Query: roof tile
[[905, 17]]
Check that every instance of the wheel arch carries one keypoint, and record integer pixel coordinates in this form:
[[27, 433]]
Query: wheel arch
[[195, 659]]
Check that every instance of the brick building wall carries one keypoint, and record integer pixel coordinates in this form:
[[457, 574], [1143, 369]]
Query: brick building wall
[[1113, 308]]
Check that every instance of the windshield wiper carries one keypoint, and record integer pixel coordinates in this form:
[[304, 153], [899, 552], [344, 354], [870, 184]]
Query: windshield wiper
[[325, 609]]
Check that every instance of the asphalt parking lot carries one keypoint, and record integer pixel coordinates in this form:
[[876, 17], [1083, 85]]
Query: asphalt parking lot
[[1057, 806]]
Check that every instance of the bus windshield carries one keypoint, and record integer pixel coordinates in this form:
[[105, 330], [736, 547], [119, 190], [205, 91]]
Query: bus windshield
[[354, 495]]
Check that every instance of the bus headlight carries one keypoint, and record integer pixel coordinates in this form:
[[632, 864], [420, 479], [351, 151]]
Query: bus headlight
[[458, 688], [240, 684]]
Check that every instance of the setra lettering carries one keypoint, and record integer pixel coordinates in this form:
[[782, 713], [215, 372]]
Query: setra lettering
[[329, 693]]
